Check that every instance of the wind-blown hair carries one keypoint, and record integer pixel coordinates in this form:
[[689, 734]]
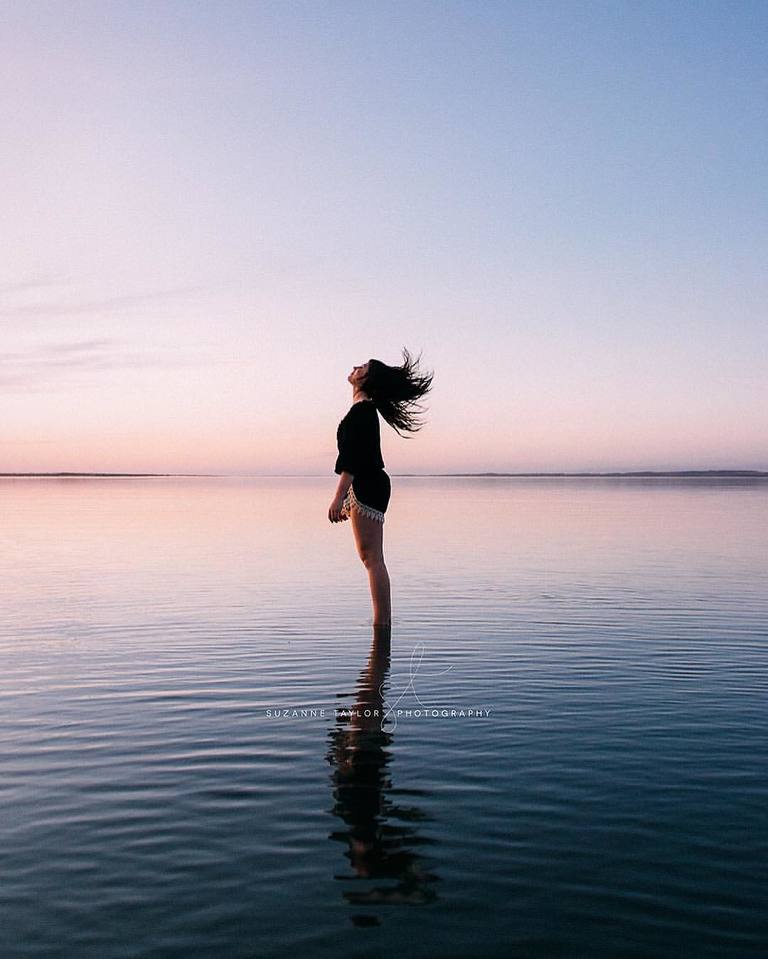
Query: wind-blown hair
[[395, 391]]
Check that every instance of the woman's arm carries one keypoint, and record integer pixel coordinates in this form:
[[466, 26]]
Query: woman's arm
[[348, 462], [335, 514], [351, 447], [345, 481]]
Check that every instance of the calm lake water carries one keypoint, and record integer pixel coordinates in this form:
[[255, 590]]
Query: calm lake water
[[599, 790]]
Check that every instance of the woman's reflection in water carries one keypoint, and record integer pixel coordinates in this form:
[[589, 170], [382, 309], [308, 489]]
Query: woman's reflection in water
[[380, 845]]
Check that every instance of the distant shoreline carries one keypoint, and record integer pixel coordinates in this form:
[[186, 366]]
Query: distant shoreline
[[749, 474], [101, 475], [705, 473]]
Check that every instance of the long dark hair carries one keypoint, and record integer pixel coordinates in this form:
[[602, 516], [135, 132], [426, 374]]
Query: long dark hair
[[395, 390]]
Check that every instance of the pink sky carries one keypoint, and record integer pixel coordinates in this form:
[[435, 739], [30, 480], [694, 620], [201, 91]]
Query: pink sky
[[208, 218]]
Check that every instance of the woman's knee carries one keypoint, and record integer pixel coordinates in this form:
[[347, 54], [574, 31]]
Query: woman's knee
[[371, 558]]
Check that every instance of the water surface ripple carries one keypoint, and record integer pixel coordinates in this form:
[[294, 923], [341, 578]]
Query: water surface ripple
[[578, 767]]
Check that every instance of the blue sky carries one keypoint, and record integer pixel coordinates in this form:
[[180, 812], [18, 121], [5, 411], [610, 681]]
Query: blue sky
[[211, 211]]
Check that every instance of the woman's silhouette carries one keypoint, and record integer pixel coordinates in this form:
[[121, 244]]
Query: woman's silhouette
[[364, 486]]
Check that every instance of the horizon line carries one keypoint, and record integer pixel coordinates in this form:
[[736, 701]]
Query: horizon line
[[581, 473]]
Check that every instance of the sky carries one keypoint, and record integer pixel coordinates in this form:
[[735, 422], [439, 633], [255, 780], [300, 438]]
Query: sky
[[211, 211]]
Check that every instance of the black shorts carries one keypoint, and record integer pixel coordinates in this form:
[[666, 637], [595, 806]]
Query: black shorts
[[369, 493]]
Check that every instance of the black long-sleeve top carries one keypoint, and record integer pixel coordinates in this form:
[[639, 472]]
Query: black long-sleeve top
[[358, 438]]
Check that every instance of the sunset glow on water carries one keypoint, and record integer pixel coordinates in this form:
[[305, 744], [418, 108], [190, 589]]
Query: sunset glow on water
[[193, 759]]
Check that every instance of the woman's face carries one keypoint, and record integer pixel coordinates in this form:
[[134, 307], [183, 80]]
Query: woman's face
[[358, 374]]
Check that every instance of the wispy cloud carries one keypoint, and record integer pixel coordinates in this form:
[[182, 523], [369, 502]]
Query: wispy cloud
[[31, 285], [49, 365], [48, 352], [76, 307]]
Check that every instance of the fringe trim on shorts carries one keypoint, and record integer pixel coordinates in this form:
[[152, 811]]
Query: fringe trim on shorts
[[352, 502]]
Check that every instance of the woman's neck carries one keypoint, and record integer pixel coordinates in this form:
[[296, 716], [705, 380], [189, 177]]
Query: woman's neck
[[358, 395]]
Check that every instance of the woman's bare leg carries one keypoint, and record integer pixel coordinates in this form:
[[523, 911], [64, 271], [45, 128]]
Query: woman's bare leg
[[369, 540]]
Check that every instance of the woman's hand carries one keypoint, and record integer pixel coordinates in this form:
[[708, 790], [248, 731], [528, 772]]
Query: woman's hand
[[335, 512]]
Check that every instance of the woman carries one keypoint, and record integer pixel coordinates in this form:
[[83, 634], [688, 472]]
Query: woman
[[364, 487]]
